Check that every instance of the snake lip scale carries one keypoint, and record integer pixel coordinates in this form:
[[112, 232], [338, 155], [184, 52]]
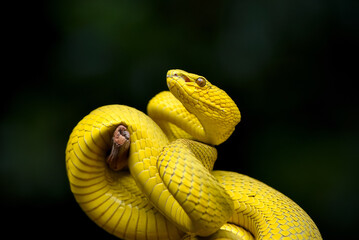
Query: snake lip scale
[[169, 189], [174, 84]]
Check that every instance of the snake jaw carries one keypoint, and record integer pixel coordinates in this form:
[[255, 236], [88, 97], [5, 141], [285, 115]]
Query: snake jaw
[[182, 85], [197, 87], [211, 105]]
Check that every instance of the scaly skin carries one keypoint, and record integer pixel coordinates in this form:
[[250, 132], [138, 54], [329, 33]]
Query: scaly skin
[[172, 189], [207, 113], [112, 199]]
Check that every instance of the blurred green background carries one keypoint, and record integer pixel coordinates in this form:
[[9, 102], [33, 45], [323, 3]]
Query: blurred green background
[[289, 65]]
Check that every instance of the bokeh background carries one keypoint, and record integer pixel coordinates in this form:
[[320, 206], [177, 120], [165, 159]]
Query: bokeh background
[[289, 65]]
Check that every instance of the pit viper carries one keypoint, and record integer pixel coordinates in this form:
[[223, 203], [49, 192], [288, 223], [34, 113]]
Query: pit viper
[[169, 189]]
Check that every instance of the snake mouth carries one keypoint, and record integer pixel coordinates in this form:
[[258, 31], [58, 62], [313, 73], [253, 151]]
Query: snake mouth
[[185, 88], [175, 80]]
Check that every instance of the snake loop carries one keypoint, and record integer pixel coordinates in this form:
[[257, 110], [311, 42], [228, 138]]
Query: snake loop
[[171, 189]]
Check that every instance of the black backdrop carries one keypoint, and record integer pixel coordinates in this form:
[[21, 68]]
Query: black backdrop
[[288, 65]]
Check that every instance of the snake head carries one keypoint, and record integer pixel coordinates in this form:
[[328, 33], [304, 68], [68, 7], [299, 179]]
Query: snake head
[[217, 112], [190, 79]]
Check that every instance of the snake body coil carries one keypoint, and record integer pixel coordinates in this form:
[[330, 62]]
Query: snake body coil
[[171, 191]]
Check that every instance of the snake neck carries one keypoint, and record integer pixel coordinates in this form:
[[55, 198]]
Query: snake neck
[[177, 122], [194, 108]]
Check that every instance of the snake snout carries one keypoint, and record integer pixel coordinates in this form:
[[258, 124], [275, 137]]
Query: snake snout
[[178, 75]]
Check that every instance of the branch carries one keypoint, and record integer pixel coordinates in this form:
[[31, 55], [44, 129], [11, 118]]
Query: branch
[[118, 157]]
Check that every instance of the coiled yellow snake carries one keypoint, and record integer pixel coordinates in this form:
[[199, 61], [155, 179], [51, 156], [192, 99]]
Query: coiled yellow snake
[[170, 190]]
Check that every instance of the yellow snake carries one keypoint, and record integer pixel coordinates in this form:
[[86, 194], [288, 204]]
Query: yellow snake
[[170, 190]]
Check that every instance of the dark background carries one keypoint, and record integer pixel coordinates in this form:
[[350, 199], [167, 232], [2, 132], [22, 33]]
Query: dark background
[[289, 65]]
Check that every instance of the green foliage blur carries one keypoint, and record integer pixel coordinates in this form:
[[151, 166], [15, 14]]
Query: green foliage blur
[[289, 65]]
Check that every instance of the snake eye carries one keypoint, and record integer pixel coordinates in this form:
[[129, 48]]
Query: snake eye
[[201, 82]]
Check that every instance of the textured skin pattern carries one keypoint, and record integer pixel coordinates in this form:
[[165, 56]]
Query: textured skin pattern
[[227, 231], [193, 185], [112, 199], [265, 212], [172, 189]]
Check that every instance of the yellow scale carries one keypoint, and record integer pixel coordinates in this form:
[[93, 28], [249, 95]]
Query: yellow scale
[[170, 190]]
